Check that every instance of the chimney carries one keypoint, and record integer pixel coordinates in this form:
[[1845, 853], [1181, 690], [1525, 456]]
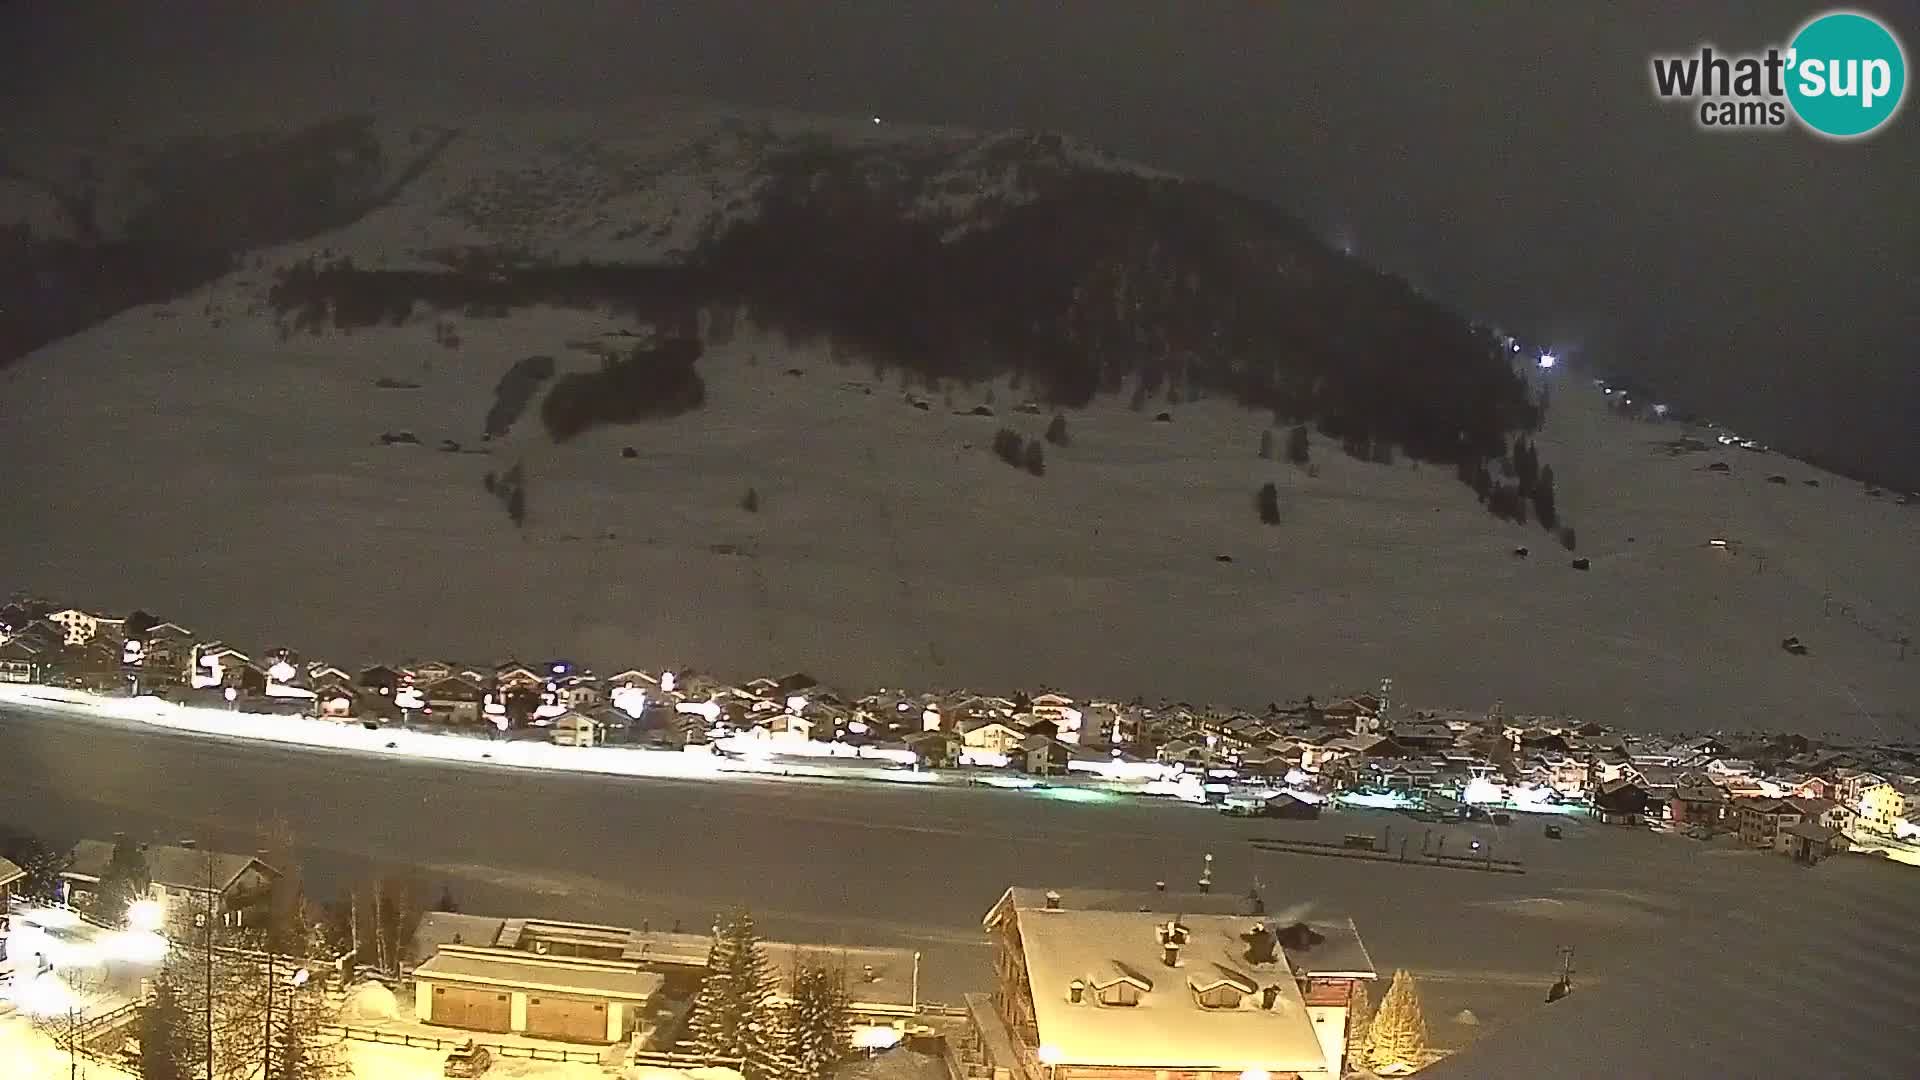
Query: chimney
[[1172, 937], [1053, 900], [866, 972], [1076, 991], [1159, 886], [1269, 995]]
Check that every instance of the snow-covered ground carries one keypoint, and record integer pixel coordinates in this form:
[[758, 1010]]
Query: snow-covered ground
[[235, 483]]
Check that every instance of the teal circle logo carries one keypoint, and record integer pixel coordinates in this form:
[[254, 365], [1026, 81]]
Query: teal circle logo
[[1846, 74]]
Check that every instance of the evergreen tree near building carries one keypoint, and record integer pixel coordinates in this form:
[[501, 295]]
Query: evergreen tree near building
[[125, 880], [1359, 1026], [1398, 1034], [165, 1049], [819, 1029], [734, 1015], [751, 502]]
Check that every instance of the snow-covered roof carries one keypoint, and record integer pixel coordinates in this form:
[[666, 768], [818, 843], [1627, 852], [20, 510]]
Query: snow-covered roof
[[1168, 1027], [558, 974]]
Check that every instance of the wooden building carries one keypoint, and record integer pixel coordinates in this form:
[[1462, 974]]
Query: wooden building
[[1093, 985]]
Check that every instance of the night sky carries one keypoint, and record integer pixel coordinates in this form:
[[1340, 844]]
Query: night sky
[[1510, 159]]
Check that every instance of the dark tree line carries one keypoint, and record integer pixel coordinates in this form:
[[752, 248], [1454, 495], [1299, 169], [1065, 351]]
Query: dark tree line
[[655, 381], [1106, 282]]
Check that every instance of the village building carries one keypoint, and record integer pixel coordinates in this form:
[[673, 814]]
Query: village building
[[588, 983], [1119, 986], [185, 882]]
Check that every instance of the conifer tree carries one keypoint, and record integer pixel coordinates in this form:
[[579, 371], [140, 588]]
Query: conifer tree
[[1299, 446], [164, 1045], [1398, 1034], [1057, 430], [734, 1015], [125, 880], [1359, 1025], [819, 1032]]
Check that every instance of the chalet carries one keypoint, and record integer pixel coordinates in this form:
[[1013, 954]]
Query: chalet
[[581, 692], [576, 728], [1289, 807], [167, 647], [513, 676], [184, 881], [1885, 805], [1808, 843], [992, 736], [21, 662], [1762, 821], [453, 700], [11, 877], [95, 666], [1621, 802], [1061, 711], [1424, 736], [545, 978], [78, 627], [1102, 986], [1698, 805], [380, 677], [432, 671], [934, 749], [1045, 755]]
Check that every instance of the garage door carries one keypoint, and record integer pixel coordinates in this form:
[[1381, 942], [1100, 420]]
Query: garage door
[[574, 1019], [475, 1010]]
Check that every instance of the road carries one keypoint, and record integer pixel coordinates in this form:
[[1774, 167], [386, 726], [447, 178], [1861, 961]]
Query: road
[[916, 866]]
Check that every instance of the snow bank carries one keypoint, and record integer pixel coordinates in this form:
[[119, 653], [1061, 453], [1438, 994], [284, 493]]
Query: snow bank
[[369, 1002]]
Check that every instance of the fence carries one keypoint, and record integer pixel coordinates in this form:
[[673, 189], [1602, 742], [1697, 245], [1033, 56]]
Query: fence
[[530, 1053]]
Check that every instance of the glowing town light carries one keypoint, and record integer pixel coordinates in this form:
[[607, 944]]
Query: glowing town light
[[133, 652], [145, 914], [1254, 1074], [1660, 410], [666, 681], [136, 947], [876, 1038], [1716, 542], [797, 703], [708, 709], [1050, 1054], [1516, 346], [410, 697], [1482, 791], [1547, 359], [43, 995], [857, 727], [231, 694], [631, 700], [214, 677], [281, 672]]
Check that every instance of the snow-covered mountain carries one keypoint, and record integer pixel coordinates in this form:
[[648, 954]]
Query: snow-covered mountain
[[814, 310]]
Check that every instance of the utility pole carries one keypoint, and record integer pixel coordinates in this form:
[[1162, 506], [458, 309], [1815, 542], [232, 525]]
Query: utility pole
[[206, 920]]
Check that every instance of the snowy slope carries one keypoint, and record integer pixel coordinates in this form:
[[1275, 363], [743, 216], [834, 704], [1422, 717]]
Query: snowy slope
[[189, 459], [235, 483]]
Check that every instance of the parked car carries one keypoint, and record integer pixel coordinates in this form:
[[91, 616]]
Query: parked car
[[468, 1060]]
